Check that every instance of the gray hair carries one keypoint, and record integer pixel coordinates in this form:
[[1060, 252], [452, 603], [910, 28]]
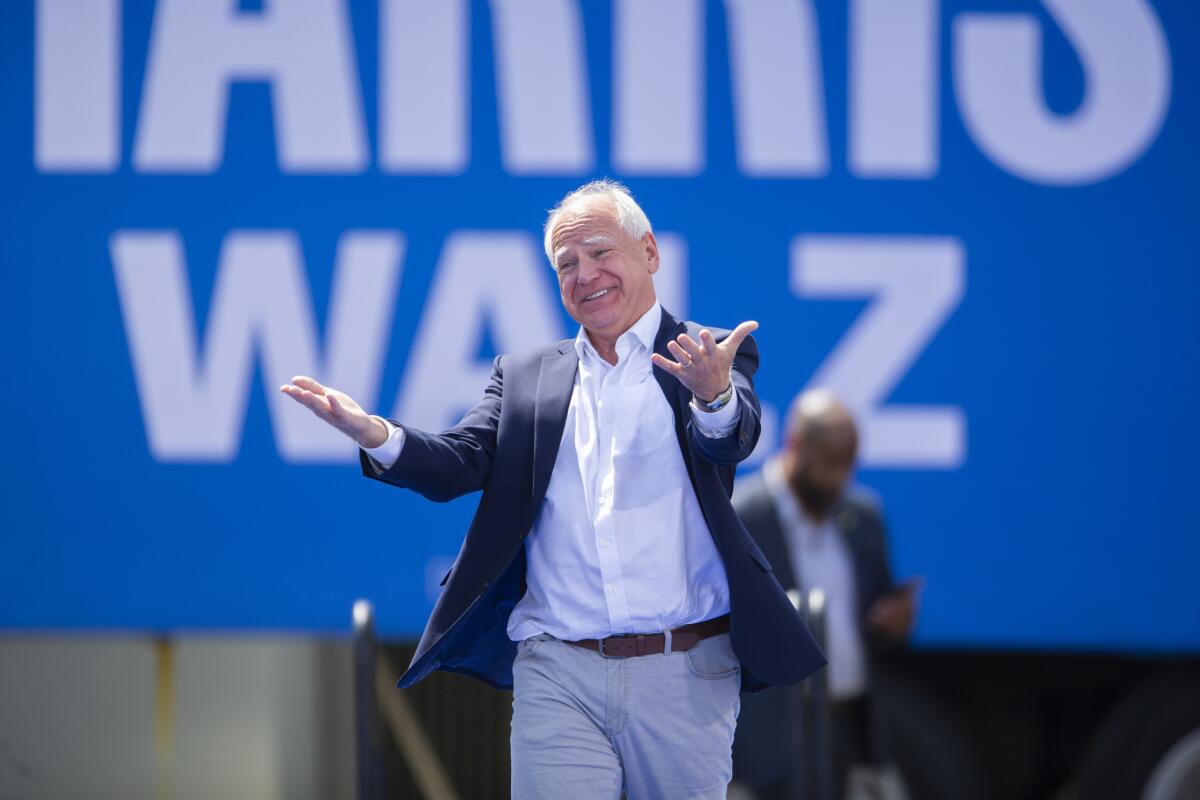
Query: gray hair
[[629, 213]]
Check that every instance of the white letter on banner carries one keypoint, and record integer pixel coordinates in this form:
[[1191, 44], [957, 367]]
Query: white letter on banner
[[483, 279], [658, 87], [775, 60], [423, 63], [893, 105], [671, 282], [302, 47], [543, 98], [1127, 78], [916, 282], [194, 401], [77, 80]]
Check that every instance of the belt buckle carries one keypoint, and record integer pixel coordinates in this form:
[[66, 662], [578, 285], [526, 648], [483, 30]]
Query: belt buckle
[[600, 644]]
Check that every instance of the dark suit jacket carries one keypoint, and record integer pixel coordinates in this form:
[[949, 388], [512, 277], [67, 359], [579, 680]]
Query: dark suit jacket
[[507, 445], [761, 748]]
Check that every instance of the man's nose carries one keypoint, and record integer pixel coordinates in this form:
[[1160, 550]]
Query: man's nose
[[587, 271]]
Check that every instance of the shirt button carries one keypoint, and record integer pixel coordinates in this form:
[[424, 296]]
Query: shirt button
[[604, 542], [612, 589]]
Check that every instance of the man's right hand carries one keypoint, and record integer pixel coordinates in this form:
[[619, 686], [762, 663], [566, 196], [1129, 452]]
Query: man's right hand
[[338, 409]]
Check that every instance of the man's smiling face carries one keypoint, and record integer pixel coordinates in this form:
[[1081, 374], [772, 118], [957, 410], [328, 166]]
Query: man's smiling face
[[604, 274]]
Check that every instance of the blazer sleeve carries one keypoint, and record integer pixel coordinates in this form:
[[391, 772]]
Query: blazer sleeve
[[739, 443], [446, 465]]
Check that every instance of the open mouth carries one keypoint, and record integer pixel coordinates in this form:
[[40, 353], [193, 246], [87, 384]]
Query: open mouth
[[596, 295]]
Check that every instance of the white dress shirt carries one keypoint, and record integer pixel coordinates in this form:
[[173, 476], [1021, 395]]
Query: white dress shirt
[[619, 544], [821, 560]]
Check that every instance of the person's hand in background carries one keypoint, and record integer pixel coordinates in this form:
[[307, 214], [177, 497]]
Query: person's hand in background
[[895, 613]]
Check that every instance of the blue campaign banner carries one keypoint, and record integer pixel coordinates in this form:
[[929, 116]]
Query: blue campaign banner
[[971, 219]]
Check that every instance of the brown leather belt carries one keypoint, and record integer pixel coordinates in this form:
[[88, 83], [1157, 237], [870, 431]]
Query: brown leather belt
[[629, 645]]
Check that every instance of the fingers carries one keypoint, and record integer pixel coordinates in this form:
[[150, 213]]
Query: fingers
[[888, 607], [893, 614], [734, 341], [689, 346], [335, 407], [305, 382], [703, 367], [682, 356], [666, 364], [885, 614], [318, 405]]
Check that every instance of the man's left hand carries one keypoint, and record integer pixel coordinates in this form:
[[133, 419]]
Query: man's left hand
[[704, 366], [895, 613]]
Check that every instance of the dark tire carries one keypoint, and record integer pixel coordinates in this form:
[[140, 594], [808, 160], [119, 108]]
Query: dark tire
[[1144, 736], [927, 741]]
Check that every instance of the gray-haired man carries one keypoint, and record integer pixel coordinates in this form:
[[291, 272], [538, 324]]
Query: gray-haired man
[[605, 575]]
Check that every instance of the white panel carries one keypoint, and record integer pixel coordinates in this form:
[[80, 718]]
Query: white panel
[[423, 86], [483, 277], [194, 398], [658, 87], [778, 97], [541, 73], [894, 88], [246, 720], [302, 47], [77, 101], [1127, 83], [76, 718], [915, 283], [671, 283]]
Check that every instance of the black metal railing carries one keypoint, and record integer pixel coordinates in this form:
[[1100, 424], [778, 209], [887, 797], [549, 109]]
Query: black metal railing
[[390, 729], [368, 725], [811, 736]]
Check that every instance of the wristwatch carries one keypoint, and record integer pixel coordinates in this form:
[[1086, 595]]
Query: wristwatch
[[718, 402]]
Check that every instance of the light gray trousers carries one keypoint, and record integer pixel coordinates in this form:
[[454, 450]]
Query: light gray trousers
[[657, 726]]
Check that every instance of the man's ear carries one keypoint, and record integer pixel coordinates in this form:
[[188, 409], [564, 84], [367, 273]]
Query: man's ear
[[650, 248]]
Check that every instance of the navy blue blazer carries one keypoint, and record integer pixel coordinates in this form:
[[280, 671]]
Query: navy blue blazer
[[507, 445]]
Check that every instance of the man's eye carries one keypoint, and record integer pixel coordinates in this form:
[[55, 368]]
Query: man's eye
[[603, 252], [566, 265]]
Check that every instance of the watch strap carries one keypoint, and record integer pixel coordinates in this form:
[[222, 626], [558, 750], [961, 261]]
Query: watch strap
[[718, 402]]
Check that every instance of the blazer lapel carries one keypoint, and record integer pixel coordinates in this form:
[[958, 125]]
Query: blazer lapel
[[556, 380], [676, 393], [774, 542]]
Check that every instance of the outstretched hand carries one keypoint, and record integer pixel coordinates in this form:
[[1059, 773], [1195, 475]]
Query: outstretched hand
[[704, 366], [338, 409]]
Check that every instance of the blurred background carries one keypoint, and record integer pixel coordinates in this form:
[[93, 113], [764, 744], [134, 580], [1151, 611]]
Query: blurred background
[[972, 220]]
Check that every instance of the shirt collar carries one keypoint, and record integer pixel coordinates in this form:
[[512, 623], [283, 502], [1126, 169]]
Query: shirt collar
[[790, 511], [643, 331]]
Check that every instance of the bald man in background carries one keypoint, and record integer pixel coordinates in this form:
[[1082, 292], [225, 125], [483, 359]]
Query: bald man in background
[[817, 534]]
